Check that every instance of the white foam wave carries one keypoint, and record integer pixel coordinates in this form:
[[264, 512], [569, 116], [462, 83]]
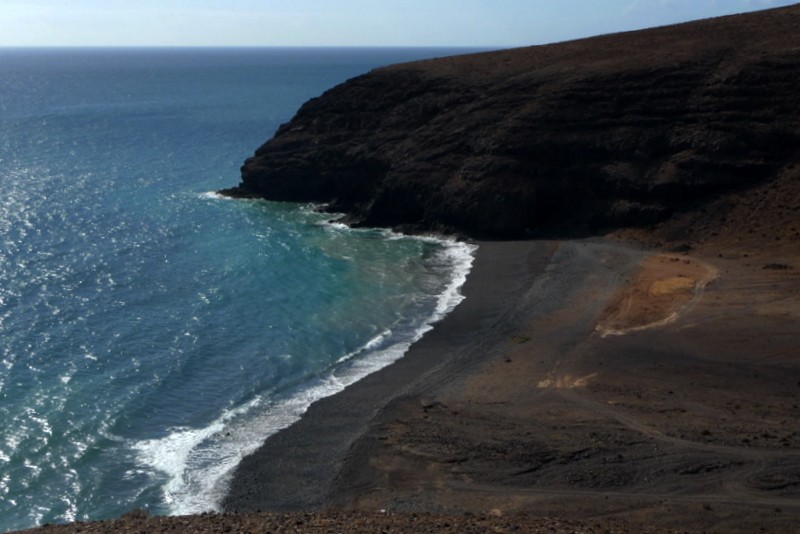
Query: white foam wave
[[336, 225], [460, 256], [213, 195], [372, 344], [198, 463], [194, 461]]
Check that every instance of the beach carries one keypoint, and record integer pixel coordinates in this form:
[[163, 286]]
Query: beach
[[686, 420], [313, 450]]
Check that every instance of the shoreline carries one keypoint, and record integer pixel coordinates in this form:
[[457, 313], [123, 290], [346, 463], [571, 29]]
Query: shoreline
[[315, 451], [312, 447]]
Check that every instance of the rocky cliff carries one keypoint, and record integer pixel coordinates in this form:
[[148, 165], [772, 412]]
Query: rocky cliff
[[564, 139]]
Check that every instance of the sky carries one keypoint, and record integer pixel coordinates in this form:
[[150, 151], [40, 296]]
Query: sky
[[474, 23]]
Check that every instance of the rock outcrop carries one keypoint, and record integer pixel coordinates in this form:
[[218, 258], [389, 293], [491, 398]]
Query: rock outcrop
[[565, 139]]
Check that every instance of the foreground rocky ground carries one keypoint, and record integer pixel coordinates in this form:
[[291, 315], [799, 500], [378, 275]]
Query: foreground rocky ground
[[335, 522]]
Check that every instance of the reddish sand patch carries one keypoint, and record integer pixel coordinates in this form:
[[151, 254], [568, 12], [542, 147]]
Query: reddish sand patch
[[663, 287]]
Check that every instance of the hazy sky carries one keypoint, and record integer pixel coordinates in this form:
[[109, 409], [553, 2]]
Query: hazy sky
[[340, 22]]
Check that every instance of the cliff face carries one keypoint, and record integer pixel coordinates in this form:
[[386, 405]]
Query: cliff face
[[564, 139]]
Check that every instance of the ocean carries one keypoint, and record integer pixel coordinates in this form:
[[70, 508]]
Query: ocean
[[151, 332]]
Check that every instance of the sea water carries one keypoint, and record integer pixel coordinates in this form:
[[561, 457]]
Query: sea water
[[151, 332]]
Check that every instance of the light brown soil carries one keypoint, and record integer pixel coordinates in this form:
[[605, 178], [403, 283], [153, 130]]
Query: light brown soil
[[664, 286]]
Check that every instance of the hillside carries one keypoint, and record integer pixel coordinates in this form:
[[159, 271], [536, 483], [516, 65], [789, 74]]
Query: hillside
[[567, 139]]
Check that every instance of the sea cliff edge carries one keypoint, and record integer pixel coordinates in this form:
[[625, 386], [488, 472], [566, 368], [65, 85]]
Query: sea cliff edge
[[569, 139]]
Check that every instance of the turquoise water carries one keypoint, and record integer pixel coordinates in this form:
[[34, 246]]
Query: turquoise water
[[152, 333]]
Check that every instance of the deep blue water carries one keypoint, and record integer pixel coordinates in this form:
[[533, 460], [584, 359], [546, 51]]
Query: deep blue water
[[151, 333]]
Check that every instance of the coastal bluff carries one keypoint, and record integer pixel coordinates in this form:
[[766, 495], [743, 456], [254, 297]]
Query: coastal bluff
[[568, 139]]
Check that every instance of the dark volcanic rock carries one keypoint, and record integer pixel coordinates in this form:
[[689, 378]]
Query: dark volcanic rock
[[564, 139]]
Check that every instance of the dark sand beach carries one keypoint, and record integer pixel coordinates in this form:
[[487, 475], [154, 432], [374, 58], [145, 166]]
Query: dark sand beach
[[313, 450], [690, 423]]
